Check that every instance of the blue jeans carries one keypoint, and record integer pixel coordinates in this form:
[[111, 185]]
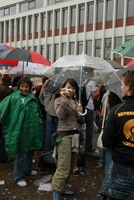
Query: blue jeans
[[89, 120], [51, 125], [121, 183], [102, 157], [23, 165], [108, 171]]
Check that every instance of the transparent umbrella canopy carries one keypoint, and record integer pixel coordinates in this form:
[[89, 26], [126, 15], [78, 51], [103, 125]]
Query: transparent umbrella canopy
[[82, 68], [26, 68]]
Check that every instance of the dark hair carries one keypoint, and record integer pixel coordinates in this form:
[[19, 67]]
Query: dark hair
[[74, 84], [6, 80], [113, 99], [44, 79], [25, 80], [128, 78], [15, 81]]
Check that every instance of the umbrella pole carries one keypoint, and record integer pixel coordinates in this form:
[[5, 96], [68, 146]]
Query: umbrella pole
[[23, 69], [80, 92], [80, 84]]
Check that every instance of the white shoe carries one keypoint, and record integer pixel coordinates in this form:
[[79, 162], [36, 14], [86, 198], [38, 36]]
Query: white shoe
[[22, 183], [33, 173]]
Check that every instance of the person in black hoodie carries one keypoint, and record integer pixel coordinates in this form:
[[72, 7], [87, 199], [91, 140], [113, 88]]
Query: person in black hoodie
[[119, 136]]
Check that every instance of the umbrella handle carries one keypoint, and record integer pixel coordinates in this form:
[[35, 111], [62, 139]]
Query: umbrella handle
[[83, 113]]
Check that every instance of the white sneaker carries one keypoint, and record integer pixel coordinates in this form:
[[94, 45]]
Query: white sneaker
[[33, 173], [22, 183]]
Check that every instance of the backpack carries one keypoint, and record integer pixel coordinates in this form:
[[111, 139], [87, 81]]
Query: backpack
[[84, 100]]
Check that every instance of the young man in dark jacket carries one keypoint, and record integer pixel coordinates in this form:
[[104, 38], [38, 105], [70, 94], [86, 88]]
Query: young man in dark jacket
[[119, 135]]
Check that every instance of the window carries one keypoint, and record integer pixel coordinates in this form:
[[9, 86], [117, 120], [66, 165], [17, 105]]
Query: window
[[12, 10], [107, 49], [130, 9], [64, 49], [57, 19], [58, 1], [31, 5], [49, 52], [71, 48], [7, 30], [36, 48], [90, 13], [118, 41], [29, 48], [6, 11], [43, 50], [80, 47], [56, 50], [43, 21], [120, 9], [81, 15], [89, 47], [1, 13], [18, 28], [109, 10], [99, 11], [130, 37], [73, 16], [2, 32], [12, 29], [39, 3], [30, 24], [65, 18], [50, 15], [98, 48], [36, 23], [24, 25], [51, 2], [24, 7]]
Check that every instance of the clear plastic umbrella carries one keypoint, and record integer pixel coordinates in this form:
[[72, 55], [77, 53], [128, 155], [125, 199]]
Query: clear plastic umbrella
[[82, 68], [26, 68]]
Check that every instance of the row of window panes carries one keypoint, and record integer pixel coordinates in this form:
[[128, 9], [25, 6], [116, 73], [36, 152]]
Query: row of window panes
[[23, 7], [100, 5], [52, 2], [97, 53]]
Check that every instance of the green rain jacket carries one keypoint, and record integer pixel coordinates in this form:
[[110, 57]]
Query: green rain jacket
[[21, 123]]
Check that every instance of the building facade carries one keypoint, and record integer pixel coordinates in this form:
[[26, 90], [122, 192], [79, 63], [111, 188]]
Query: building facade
[[60, 27]]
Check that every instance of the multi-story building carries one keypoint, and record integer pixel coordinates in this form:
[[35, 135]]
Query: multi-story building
[[58, 27]]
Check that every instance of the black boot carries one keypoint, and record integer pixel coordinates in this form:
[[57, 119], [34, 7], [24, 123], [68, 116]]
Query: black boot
[[104, 197]]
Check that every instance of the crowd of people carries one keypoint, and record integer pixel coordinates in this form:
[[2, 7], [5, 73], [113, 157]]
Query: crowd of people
[[49, 118]]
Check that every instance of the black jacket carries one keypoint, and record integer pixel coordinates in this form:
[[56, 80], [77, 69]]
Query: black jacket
[[119, 132]]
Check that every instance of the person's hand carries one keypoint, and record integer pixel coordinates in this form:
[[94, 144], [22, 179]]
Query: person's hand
[[78, 107], [63, 93]]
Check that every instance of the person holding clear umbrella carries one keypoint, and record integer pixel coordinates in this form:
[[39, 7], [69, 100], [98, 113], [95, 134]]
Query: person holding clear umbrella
[[67, 136]]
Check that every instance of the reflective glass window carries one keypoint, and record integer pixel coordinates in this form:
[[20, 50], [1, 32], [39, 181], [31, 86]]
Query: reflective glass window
[[73, 16], [65, 12], [98, 47], [89, 47], [81, 14], [99, 11], [109, 10], [90, 13], [107, 48], [120, 9], [130, 9]]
